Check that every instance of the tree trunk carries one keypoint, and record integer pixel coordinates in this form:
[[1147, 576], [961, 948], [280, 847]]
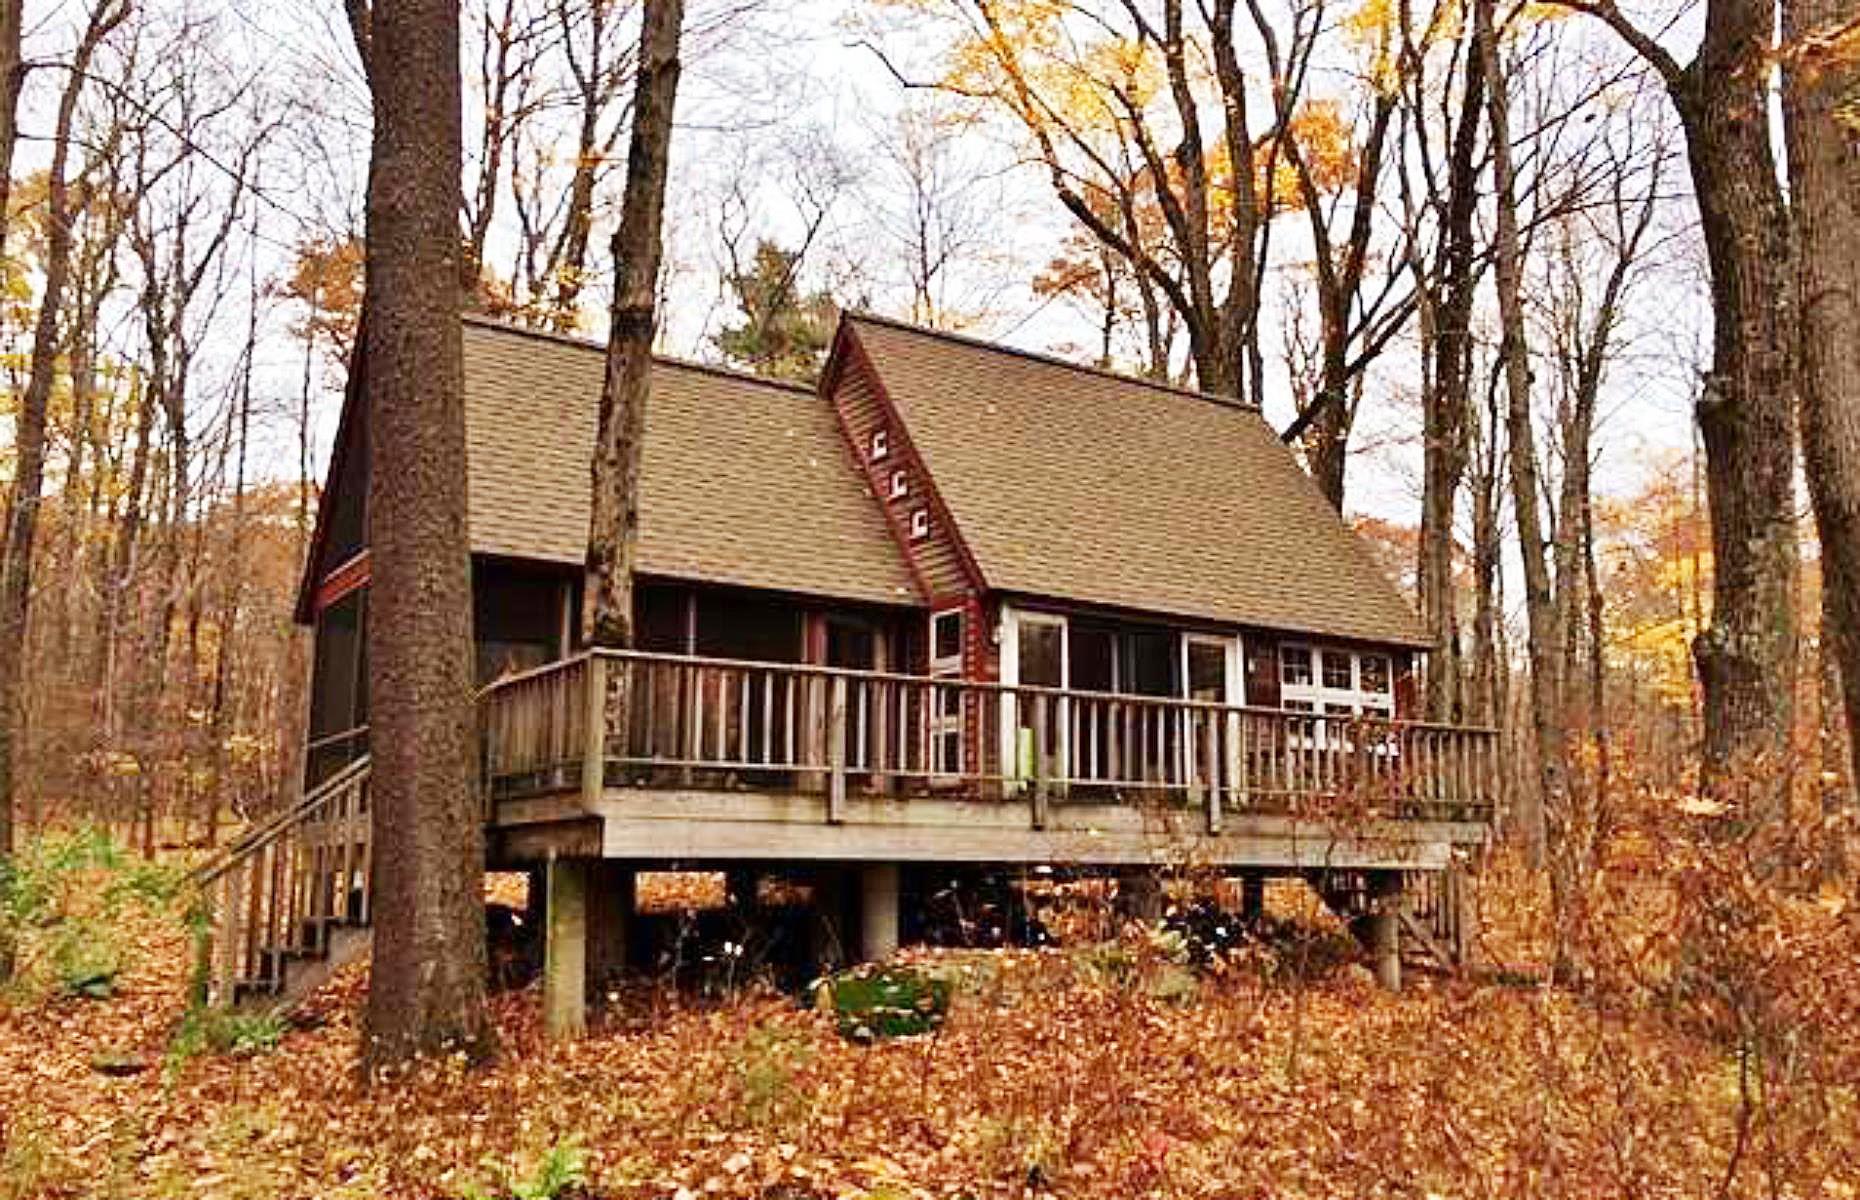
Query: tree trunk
[[427, 988], [1747, 656], [1538, 813], [1445, 406], [1820, 84], [12, 78], [613, 530], [29, 427]]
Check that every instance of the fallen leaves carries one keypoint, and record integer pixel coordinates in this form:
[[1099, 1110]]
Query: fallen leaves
[[1049, 1078]]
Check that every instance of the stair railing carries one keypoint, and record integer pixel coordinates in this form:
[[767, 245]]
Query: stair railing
[[274, 892]]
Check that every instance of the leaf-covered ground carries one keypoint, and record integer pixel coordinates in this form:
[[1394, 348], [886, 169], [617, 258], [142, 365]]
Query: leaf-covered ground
[[1058, 1073]]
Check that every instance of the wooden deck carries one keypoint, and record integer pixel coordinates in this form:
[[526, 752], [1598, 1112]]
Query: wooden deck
[[723, 760]]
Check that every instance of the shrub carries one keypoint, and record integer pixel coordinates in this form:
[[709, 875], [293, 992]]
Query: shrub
[[766, 1065], [226, 1031], [887, 1001], [58, 895], [561, 1170]]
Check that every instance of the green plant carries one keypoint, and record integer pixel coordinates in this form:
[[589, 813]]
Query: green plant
[[58, 897], [27, 1160], [766, 1063], [85, 960], [225, 1031], [887, 1001], [559, 1170]]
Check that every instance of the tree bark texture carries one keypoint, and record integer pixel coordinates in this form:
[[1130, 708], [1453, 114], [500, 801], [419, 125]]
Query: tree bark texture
[[1747, 655], [1821, 111], [427, 988], [613, 531]]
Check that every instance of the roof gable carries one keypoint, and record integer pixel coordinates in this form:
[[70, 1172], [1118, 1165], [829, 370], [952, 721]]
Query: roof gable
[[1076, 484], [743, 481]]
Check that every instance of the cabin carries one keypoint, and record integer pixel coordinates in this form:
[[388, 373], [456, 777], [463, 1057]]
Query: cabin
[[958, 605]]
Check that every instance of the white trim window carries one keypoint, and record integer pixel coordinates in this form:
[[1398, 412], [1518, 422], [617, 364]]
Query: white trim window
[[1335, 681], [946, 634], [880, 445], [900, 484], [1035, 651]]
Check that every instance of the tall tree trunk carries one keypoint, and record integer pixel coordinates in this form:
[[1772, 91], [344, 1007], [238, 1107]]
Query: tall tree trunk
[[12, 79], [613, 530], [12, 76], [29, 427], [1445, 407], [1746, 657], [1537, 814], [1821, 109], [426, 992]]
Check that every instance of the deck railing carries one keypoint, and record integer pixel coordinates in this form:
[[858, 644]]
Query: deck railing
[[723, 723]]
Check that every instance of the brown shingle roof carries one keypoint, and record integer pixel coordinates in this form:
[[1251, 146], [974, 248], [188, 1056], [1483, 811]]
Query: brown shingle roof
[[742, 481], [1080, 485]]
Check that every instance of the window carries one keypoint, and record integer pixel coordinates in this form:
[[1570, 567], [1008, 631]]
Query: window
[[1345, 683], [900, 485], [920, 524], [945, 704], [881, 444], [946, 642]]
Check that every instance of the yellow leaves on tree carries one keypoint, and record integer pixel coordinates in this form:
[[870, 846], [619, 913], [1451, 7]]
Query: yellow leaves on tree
[[1324, 142], [326, 278]]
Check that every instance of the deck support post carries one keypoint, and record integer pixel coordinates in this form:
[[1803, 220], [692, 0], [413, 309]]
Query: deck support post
[[565, 948], [1382, 927], [1253, 896], [878, 911], [827, 924], [612, 887], [1140, 896]]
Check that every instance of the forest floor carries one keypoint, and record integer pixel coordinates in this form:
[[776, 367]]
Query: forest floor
[[1062, 1072]]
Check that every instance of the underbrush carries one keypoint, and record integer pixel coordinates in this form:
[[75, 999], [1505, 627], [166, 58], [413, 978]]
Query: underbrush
[[62, 897]]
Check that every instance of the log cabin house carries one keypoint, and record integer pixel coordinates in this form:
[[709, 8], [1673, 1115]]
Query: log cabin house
[[958, 604]]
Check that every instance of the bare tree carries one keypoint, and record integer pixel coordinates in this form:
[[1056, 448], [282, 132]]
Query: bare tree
[[613, 530], [1746, 657], [29, 433]]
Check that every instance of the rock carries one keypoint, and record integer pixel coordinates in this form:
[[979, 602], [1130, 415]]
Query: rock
[[118, 1063]]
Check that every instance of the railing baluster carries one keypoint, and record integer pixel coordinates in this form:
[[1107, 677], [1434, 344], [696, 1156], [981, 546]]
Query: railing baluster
[[836, 752], [1038, 768]]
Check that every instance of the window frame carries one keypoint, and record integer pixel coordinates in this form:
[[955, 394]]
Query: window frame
[[1322, 697], [878, 446]]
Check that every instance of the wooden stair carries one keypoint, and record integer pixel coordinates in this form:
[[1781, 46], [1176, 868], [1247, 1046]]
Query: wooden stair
[[289, 900], [1432, 912]]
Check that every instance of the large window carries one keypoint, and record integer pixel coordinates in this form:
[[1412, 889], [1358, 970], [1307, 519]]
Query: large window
[[1328, 679]]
